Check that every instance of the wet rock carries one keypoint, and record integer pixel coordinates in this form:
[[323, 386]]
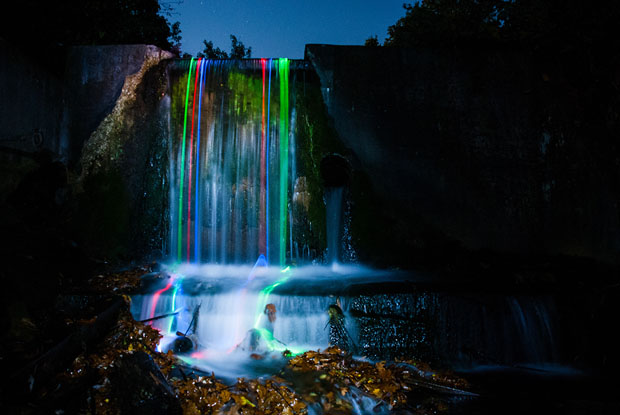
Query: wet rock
[[182, 344], [141, 388], [394, 325], [338, 335]]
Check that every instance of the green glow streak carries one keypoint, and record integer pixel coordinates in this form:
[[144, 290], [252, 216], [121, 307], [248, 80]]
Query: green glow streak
[[174, 297], [283, 68], [180, 232], [263, 296]]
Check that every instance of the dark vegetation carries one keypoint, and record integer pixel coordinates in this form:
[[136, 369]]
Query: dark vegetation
[[41, 24], [237, 50], [560, 25]]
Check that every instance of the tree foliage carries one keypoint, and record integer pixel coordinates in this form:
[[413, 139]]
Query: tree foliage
[[44, 23], [536, 24], [442, 22], [212, 52], [372, 41], [237, 50]]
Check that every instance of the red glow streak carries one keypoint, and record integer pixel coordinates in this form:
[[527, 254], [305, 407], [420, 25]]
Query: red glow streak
[[201, 354], [156, 297], [262, 238], [189, 176]]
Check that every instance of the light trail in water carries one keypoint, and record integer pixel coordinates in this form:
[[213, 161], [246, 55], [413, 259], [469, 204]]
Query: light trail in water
[[174, 300], [189, 175], [273, 344], [263, 296], [156, 297], [182, 166]]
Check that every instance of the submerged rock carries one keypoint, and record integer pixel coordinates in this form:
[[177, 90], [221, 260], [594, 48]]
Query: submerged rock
[[182, 344]]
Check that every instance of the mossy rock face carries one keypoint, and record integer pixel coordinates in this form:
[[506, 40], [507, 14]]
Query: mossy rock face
[[323, 160], [316, 139], [121, 193]]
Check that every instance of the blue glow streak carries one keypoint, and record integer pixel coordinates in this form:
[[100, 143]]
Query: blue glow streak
[[260, 262], [197, 237]]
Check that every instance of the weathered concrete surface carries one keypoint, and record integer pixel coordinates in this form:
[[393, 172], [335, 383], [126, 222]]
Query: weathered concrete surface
[[484, 150]]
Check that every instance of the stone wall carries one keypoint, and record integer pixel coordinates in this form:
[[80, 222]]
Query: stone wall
[[474, 150]]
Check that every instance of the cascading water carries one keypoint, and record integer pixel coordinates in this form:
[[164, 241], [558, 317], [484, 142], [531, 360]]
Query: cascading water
[[230, 161]]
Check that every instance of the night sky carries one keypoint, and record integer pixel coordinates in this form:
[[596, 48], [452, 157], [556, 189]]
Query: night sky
[[281, 28]]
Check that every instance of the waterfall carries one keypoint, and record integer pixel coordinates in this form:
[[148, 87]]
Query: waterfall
[[232, 161]]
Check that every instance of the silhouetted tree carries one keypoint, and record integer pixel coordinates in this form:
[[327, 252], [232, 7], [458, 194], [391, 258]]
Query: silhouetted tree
[[372, 41], [237, 50], [447, 22], [175, 37], [212, 52], [534, 24]]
